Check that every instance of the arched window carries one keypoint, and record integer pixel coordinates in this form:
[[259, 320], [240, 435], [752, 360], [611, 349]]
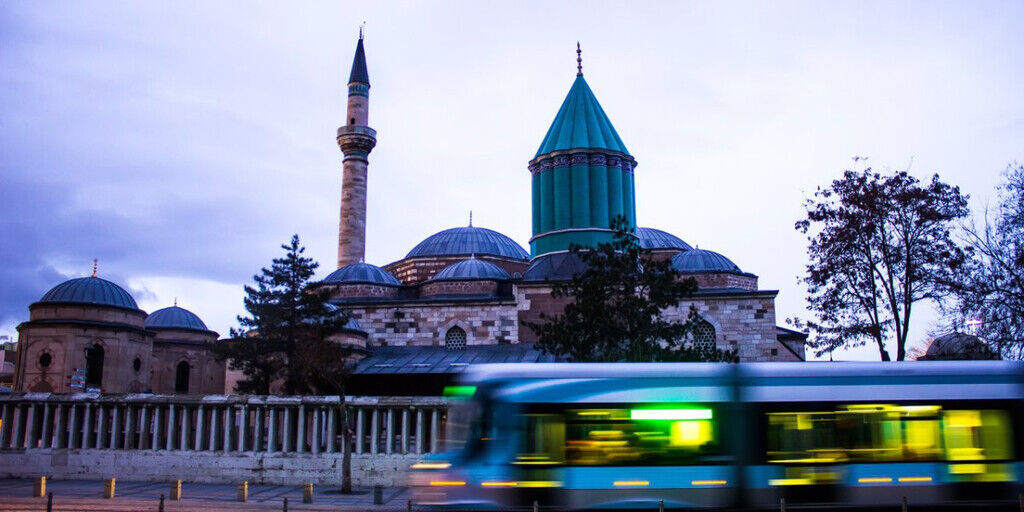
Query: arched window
[[94, 366], [181, 377], [704, 335], [455, 338]]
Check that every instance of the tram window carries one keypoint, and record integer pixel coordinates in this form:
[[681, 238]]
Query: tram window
[[871, 433], [617, 437], [543, 440]]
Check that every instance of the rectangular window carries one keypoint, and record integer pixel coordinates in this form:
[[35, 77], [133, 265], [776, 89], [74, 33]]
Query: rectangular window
[[641, 436]]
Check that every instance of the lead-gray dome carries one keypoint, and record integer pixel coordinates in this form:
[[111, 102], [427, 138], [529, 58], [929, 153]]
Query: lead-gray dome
[[90, 290], [468, 240], [175, 317], [702, 260], [362, 273], [470, 270], [656, 239]]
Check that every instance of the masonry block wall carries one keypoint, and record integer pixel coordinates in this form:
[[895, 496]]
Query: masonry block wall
[[486, 323]]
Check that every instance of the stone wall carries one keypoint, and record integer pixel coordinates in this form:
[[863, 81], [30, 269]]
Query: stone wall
[[743, 321], [441, 288], [485, 323], [363, 291], [170, 348], [725, 280]]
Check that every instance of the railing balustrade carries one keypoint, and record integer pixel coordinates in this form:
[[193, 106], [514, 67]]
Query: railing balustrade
[[375, 426]]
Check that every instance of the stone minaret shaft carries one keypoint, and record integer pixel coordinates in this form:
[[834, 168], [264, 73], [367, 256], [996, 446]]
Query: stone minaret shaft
[[356, 140]]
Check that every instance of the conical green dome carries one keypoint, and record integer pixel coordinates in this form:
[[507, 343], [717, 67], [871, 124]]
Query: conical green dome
[[581, 123]]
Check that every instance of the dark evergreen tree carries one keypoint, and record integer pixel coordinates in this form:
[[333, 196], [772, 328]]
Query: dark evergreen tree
[[286, 336], [616, 306], [878, 244]]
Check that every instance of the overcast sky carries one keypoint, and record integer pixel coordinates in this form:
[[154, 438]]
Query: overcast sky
[[182, 142]]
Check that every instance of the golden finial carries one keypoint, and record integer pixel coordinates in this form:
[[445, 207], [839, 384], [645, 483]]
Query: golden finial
[[579, 60], [95, 265], [362, 27]]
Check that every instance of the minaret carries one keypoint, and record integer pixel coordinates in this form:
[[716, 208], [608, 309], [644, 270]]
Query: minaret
[[356, 140], [582, 175]]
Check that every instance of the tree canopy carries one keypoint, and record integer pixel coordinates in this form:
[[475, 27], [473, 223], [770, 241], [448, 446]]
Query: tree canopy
[[616, 306], [989, 289], [285, 338], [878, 243]]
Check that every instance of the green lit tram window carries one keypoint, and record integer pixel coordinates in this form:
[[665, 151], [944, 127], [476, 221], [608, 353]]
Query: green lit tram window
[[883, 432]]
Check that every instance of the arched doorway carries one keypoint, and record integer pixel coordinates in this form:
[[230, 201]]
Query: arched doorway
[[181, 377], [94, 366]]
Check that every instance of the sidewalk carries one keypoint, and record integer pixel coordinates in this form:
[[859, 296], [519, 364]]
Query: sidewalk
[[87, 495]]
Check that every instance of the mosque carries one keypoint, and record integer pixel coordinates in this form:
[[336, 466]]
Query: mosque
[[461, 296]]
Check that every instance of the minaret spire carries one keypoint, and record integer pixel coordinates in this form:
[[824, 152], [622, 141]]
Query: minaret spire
[[579, 60], [356, 140]]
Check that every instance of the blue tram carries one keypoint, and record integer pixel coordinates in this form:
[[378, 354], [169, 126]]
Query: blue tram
[[696, 435]]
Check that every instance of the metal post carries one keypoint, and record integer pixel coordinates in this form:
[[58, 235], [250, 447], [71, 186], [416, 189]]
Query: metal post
[[405, 430], [214, 418], [661, 505], [199, 429], [170, 427], [360, 433], [129, 427], [161, 508], [285, 507], [286, 430], [782, 504], [243, 423], [229, 419], [535, 506], [272, 430], [86, 416], [101, 427], [435, 427], [332, 428], [389, 443], [47, 430], [300, 431], [49, 502], [419, 431], [904, 507], [374, 430]]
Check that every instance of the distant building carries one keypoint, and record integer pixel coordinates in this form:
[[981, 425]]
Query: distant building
[[88, 333], [461, 296], [957, 346]]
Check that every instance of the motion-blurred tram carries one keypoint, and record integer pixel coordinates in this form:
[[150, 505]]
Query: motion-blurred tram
[[696, 435]]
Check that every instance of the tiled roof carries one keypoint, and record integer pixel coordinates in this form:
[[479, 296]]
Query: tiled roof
[[439, 359], [581, 123]]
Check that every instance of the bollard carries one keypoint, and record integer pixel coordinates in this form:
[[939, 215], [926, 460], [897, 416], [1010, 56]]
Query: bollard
[[782, 504], [176, 490], [161, 509], [536, 507], [408, 505], [661, 505], [39, 489], [49, 502], [284, 507], [243, 492], [378, 495], [108, 489], [904, 506], [1020, 502], [307, 493]]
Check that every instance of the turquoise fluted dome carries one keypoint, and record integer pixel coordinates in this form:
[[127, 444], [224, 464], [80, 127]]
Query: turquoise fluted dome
[[90, 290], [581, 123]]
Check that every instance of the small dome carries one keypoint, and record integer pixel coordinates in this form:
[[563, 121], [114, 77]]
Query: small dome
[[656, 239], [471, 269], [559, 266], [468, 240], [175, 318], [90, 290], [701, 260], [362, 273]]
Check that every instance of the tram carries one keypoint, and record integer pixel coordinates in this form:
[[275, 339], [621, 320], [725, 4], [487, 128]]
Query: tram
[[706, 435]]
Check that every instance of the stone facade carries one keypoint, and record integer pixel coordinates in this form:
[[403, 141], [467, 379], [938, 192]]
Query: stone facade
[[744, 322], [53, 343], [485, 323], [172, 348], [714, 280]]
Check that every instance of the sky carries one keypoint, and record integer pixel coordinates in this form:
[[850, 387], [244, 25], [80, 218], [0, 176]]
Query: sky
[[180, 143]]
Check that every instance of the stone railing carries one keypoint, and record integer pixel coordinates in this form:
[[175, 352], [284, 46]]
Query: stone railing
[[271, 439]]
